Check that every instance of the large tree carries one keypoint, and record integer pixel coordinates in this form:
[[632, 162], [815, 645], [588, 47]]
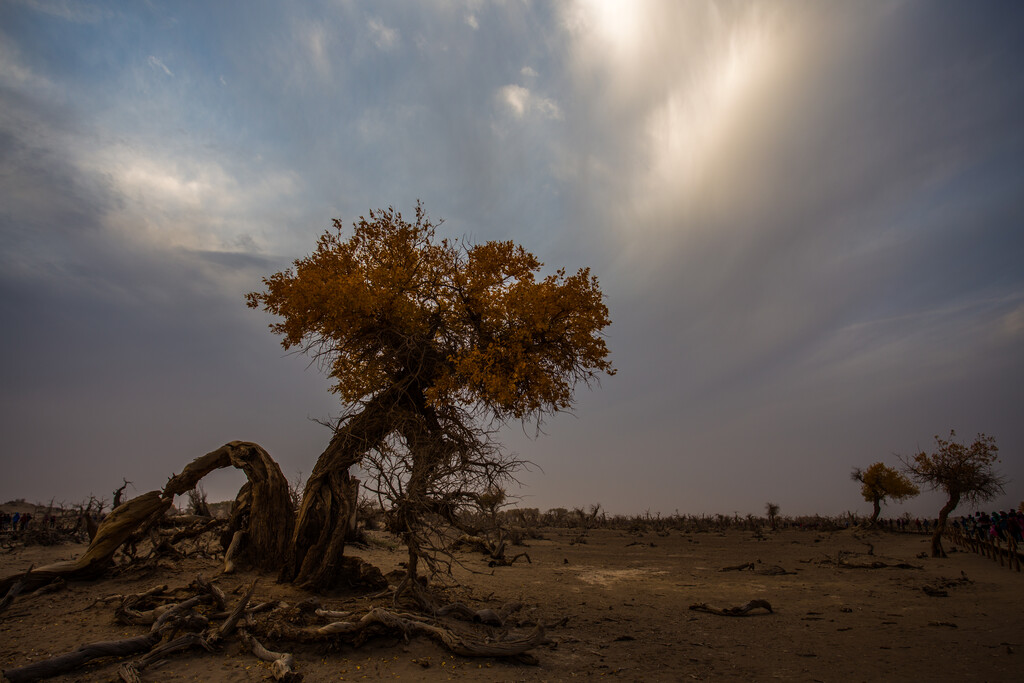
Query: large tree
[[880, 483], [964, 473], [430, 343]]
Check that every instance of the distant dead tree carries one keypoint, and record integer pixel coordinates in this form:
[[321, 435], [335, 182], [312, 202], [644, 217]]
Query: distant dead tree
[[197, 503], [772, 510], [880, 483], [964, 473], [119, 493]]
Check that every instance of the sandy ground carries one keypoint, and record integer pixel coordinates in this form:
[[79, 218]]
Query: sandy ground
[[627, 600]]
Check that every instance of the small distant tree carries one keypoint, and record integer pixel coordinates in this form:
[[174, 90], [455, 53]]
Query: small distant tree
[[197, 504], [964, 473], [119, 494], [772, 510], [880, 483]]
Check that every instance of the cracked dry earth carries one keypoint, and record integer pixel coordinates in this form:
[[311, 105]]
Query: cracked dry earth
[[626, 600]]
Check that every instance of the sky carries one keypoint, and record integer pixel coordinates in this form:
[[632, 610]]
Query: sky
[[807, 219]]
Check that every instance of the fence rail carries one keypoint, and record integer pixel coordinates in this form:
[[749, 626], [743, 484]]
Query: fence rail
[[1005, 552]]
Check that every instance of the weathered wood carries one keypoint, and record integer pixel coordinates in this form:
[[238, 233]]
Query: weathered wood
[[410, 625], [72, 660], [262, 506], [264, 509], [14, 590], [228, 627], [232, 551], [118, 526], [314, 560], [741, 611], [282, 663]]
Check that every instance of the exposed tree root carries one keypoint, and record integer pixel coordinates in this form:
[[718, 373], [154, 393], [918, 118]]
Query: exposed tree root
[[741, 611], [197, 617]]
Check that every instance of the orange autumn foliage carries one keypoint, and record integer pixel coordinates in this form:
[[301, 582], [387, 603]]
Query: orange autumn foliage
[[880, 482], [469, 325]]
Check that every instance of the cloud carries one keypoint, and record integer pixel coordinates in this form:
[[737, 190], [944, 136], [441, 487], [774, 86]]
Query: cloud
[[472, 22], [317, 42], [16, 74], [157, 64], [521, 102], [384, 37]]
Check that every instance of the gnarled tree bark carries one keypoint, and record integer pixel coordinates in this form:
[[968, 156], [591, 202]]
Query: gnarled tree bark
[[262, 509], [315, 559]]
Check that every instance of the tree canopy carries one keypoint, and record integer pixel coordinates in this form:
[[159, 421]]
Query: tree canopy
[[880, 483], [964, 473], [470, 325]]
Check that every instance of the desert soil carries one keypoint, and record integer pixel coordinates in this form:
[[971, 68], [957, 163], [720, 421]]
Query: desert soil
[[626, 598]]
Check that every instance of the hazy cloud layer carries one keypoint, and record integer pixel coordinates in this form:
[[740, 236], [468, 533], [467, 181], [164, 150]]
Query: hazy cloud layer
[[806, 218]]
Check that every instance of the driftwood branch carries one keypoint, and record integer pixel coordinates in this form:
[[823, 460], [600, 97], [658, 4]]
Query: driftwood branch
[[228, 627], [741, 611], [408, 625], [282, 663], [14, 590], [72, 660], [232, 551]]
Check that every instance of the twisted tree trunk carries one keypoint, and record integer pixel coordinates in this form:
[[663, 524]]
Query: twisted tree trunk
[[262, 509], [875, 512], [940, 527], [315, 560]]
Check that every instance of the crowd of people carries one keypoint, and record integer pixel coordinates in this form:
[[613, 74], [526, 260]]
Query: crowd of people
[[1001, 526], [907, 525], [19, 521]]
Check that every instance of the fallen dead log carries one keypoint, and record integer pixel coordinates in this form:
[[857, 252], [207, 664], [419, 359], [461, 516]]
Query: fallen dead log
[[130, 672], [228, 627], [738, 567], [118, 526], [408, 625], [72, 660], [481, 616], [877, 565], [14, 590], [769, 570], [196, 529], [505, 562], [219, 599], [282, 663], [741, 611]]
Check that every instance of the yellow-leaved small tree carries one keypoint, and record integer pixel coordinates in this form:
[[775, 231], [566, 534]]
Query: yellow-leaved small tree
[[881, 483], [429, 343]]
